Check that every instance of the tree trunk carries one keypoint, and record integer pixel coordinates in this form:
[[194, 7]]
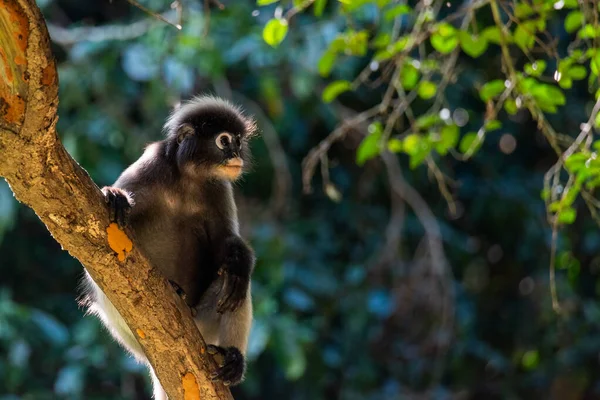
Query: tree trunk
[[43, 176]]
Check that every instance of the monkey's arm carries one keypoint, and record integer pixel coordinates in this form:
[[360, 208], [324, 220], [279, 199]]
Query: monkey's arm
[[235, 260]]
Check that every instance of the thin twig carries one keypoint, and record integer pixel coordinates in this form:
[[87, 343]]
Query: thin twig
[[154, 14], [310, 161], [69, 36]]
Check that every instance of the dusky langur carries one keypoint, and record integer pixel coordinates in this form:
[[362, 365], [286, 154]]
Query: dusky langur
[[178, 200]]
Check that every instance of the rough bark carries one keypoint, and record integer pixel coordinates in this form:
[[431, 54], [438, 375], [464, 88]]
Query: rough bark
[[43, 176]]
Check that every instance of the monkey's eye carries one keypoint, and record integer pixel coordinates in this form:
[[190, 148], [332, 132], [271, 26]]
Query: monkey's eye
[[238, 142], [223, 140]]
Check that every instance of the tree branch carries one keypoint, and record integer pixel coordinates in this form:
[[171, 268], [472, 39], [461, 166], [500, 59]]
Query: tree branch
[[43, 176]]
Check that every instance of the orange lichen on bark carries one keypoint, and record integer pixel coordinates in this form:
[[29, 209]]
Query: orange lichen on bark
[[118, 241], [20, 28], [8, 75], [48, 75], [140, 333], [13, 61], [14, 110], [191, 391]]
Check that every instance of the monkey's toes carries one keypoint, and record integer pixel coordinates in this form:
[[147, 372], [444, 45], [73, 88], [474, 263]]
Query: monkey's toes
[[231, 364]]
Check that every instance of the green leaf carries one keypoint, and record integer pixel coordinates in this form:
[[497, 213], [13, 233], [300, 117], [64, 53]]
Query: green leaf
[[548, 96], [575, 162], [577, 72], [574, 21], [492, 125], [417, 159], [369, 147], [334, 89], [275, 31], [409, 76], [474, 46], [468, 141], [524, 36], [353, 5], [595, 63], [411, 143], [396, 11], [571, 4], [417, 147], [523, 10], [381, 40], [545, 194], [392, 49], [427, 90], [395, 146], [355, 43], [448, 139], [491, 89], [567, 215], [565, 82], [535, 69], [491, 34], [588, 32], [265, 2], [426, 121], [510, 106], [530, 359], [444, 40], [319, 7], [326, 63]]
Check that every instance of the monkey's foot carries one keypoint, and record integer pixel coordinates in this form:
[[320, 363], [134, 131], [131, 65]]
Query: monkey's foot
[[119, 204], [231, 364]]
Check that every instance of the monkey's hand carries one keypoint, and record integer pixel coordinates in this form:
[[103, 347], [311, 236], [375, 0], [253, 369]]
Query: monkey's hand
[[119, 204], [231, 364], [238, 263]]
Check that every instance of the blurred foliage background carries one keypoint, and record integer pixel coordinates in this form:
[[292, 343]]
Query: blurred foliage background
[[348, 301]]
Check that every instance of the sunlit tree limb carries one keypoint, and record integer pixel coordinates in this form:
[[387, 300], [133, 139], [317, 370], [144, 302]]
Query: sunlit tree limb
[[43, 176]]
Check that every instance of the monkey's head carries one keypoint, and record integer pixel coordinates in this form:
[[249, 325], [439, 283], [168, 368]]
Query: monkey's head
[[209, 135]]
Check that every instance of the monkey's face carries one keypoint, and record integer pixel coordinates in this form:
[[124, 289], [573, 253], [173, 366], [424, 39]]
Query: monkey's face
[[219, 148]]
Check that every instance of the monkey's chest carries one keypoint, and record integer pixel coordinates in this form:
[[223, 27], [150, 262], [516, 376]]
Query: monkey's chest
[[181, 250]]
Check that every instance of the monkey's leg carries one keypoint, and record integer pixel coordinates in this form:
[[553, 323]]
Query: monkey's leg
[[234, 329], [119, 204]]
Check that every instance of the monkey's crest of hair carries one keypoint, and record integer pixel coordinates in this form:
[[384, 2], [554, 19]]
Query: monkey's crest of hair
[[208, 103]]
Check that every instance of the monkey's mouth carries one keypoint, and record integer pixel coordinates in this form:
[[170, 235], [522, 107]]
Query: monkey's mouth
[[234, 163], [231, 169]]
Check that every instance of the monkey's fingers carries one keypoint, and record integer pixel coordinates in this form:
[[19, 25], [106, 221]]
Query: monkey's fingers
[[229, 289], [235, 292], [119, 205], [238, 295]]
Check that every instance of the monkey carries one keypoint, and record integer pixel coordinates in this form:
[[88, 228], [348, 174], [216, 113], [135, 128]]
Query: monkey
[[177, 198]]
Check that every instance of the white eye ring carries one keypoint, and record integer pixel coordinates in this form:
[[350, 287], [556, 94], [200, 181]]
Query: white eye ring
[[219, 140]]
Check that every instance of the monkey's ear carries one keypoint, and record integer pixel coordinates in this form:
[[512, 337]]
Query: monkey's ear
[[184, 131]]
